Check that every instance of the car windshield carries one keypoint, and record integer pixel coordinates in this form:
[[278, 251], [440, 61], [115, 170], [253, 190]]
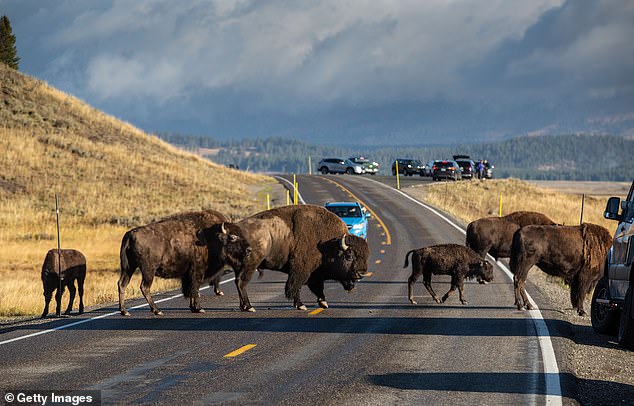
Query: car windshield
[[361, 160], [345, 211]]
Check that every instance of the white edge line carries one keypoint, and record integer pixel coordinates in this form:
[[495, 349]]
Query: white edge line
[[299, 195], [76, 323], [551, 369]]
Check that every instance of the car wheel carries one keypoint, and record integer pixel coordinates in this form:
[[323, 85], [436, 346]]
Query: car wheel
[[604, 319], [323, 170], [349, 171], [626, 328], [372, 173]]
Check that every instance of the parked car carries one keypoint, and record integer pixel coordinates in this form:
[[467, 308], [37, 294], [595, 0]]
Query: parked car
[[613, 299], [427, 170], [446, 169], [408, 167], [353, 214], [338, 165], [467, 167], [370, 167]]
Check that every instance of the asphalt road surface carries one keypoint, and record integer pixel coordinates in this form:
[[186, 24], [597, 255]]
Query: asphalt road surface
[[370, 347]]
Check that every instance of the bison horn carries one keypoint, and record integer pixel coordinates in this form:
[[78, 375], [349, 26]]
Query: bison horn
[[223, 229], [344, 246]]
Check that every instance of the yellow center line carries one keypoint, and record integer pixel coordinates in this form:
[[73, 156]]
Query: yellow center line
[[387, 233], [240, 350], [378, 261], [317, 311], [382, 251], [367, 274]]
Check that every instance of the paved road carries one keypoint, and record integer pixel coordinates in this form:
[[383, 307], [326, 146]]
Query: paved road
[[370, 347]]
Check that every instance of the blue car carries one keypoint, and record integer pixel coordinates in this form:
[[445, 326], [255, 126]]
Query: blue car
[[353, 214]]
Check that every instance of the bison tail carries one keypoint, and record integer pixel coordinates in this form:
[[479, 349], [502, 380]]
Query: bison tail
[[516, 251], [407, 259], [468, 235], [126, 243]]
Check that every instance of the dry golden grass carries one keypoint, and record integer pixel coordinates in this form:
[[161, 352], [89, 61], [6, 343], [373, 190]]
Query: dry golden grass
[[471, 200], [109, 176]]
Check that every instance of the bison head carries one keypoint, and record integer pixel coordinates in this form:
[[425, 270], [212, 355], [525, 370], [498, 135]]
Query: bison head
[[225, 244], [482, 271], [346, 259]]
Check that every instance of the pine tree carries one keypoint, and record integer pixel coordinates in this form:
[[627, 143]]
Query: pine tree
[[8, 52]]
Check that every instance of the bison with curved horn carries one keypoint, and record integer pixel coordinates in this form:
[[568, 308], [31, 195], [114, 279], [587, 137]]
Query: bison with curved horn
[[576, 253], [307, 242], [494, 235], [167, 248]]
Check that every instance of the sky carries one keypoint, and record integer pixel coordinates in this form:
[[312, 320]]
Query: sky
[[373, 72]]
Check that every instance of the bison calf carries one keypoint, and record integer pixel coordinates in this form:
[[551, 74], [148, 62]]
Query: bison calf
[[446, 259], [73, 265]]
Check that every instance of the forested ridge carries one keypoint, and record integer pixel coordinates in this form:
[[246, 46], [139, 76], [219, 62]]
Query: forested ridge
[[555, 157]]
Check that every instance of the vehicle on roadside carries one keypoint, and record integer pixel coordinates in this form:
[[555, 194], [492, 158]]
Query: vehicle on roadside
[[408, 167], [467, 168], [612, 310], [339, 165], [446, 169], [353, 214], [427, 170], [370, 167]]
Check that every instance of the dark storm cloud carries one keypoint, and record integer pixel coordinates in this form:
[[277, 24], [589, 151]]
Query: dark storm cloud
[[405, 71]]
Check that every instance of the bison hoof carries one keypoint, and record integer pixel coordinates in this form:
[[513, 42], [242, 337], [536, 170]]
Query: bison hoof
[[464, 302], [125, 313], [220, 293], [582, 313], [302, 307], [412, 301], [441, 300], [323, 304], [158, 312], [198, 310], [249, 309]]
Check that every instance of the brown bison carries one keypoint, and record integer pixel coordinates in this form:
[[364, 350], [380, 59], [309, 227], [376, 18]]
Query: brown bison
[[167, 248], [576, 253], [307, 242], [494, 235], [446, 259], [73, 265]]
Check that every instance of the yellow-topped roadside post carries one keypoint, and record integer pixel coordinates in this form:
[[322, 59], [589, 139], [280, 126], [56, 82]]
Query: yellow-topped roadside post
[[398, 181]]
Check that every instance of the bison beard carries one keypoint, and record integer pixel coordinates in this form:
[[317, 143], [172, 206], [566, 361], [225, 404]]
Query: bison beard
[[576, 253], [167, 248], [494, 235], [307, 242], [446, 259], [73, 264]]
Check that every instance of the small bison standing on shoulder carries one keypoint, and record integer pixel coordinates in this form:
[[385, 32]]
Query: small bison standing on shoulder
[[576, 253], [446, 259], [73, 265], [494, 235]]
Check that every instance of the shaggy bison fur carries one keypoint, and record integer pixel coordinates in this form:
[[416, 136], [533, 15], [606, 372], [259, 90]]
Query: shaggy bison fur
[[458, 261], [73, 265], [167, 248], [307, 242], [576, 253], [494, 235]]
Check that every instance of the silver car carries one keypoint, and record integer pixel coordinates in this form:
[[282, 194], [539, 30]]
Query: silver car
[[338, 165]]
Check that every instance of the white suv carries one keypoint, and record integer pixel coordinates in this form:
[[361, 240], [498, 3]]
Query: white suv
[[338, 165], [612, 301]]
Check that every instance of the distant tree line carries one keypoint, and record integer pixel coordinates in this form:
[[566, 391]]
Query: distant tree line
[[8, 50], [558, 157]]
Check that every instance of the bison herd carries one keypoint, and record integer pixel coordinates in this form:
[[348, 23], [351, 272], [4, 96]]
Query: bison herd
[[312, 245]]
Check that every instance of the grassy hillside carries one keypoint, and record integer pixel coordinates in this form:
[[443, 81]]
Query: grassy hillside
[[110, 176]]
